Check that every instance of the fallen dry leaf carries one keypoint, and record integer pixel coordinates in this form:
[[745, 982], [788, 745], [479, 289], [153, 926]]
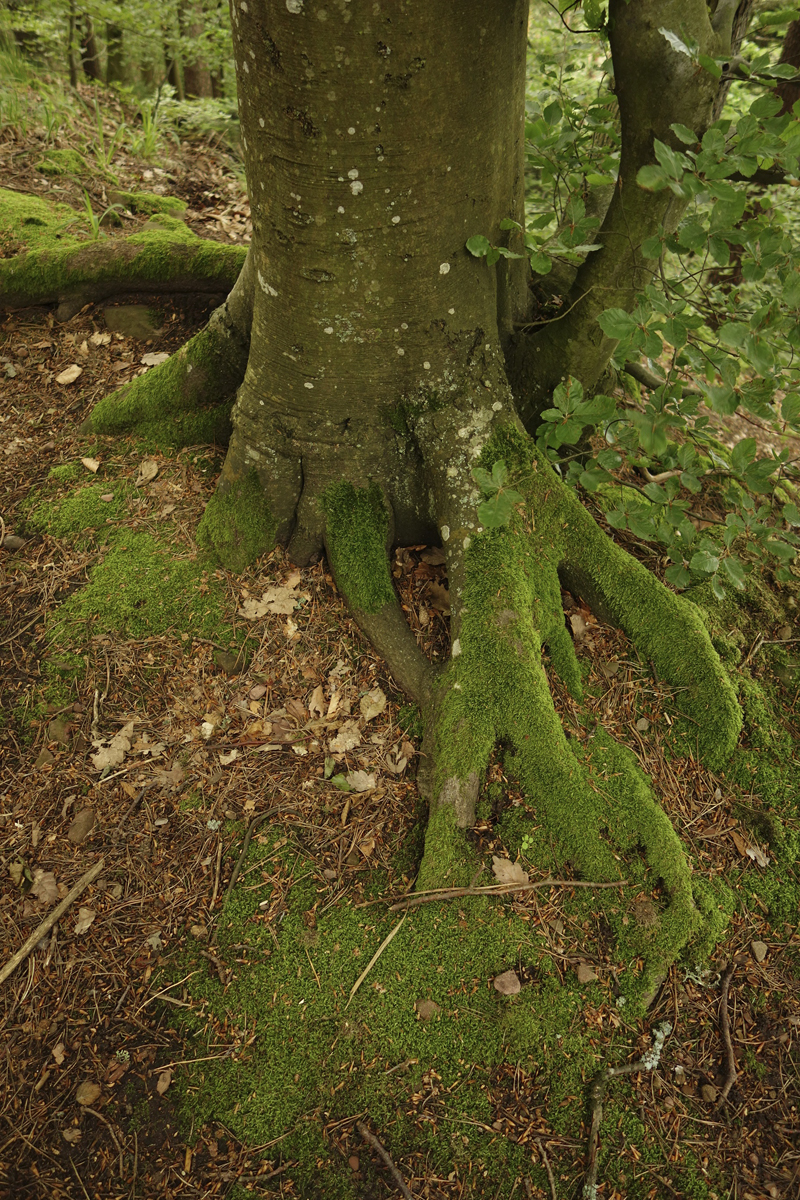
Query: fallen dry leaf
[[154, 359], [58, 1053], [227, 759], [507, 872], [71, 1136], [113, 752], [147, 471], [439, 597], [85, 918], [373, 703], [87, 1092], [585, 973], [348, 737], [100, 339], [316, 705], [91, 464], [164, 1080], [362, 781], [426, 1009], [44, 886], [70, 374]]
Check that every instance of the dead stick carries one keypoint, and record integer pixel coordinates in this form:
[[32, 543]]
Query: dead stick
[[49, 921], [725, 1027], [500, 889], [547, 1168], [386, 1156]]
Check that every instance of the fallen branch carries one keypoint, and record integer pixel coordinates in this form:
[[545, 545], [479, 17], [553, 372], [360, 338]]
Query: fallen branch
[[648, 1062], [725, 1029], [50, 920], [386, 1156], [499, 889], [547, 1167], [372, 961]]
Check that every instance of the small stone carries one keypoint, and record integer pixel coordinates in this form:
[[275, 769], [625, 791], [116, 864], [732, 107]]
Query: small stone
[[759, 950], [12, 542], [508, 984], [44, 759], [81, 826], [585, 973], [354, 1163], [426, 1009], [87, 1093], [642, 725], [132, 320], [708, 1093]]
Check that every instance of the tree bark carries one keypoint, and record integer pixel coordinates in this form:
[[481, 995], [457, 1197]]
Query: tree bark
[[196, 75], [115, 54], [90, 51]]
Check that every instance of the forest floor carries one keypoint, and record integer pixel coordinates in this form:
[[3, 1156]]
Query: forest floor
[[147, 741]]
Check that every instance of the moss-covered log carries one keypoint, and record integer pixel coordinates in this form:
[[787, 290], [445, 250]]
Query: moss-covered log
[[59, 259]]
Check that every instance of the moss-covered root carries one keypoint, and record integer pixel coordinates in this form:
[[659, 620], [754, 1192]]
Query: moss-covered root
[[587, 798], [356, 536], [666, 629], [188, 399]]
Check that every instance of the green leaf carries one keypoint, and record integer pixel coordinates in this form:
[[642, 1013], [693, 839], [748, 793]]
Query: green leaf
[[687, 136], [340, 782], [652, 178], [541, 263], [704, 562], [678, 576], [478, 245], [496, 512], [766, 106], [710, 65], [791, 514], [509, 223], [656, 493], [617, 323], [499, 474], [735, 572], [743, 454], [717, 588], [553, 114], [483, 480], [675, 42], [790, 408], [330, 763]]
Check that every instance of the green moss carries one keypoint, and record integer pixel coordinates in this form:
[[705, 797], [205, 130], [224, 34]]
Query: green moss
[[58, 262], [237, 524], [83, 512], [141, 589], [63, 162], [65, 473], [357, 530], [148, 203]]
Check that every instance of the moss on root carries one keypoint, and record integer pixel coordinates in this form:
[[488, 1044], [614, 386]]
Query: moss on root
[[237, 525], [356, 532], [148, 203]]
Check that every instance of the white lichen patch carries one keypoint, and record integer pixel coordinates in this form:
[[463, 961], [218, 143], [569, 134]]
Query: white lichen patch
[[356, 187], [445, 531], [456, 649], [444, 268], [266, 288], [294, 6]]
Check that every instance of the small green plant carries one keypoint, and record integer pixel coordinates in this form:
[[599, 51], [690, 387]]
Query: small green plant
[[496, 510], [106, 149], [94, 221]]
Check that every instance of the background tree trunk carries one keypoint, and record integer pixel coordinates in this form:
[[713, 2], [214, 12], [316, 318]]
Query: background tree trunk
[[115, 54], [90, 51], [196, 75]]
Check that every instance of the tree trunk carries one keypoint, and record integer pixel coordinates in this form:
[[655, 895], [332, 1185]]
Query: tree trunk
[[115, 54], [196, 75], [71, 37], [376, 141], [789, 90], [90, 51]]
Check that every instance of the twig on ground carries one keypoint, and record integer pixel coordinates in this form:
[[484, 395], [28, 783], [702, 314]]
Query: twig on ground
[[50, 920], [548, 1168], [108, 1126], [386, 1156], [648, 1062], [725, 1029], [372, 961], [500, 889], [216, 876], [99, 701]]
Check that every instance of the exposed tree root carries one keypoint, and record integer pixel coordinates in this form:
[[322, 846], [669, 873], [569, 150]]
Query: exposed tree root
[[188, 399]]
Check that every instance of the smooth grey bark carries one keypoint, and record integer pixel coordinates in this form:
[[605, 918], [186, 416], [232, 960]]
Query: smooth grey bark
[[376, 141]]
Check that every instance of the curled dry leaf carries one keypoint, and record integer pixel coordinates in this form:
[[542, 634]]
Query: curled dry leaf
[[58, 1053], [85, 918], [507, 872], [585, 973], [91, 464], [316, 705], [507, 984], [70, 374], [44, 886], [154, 359], [100, 339], [227, 759], [283, 600], [71, 1135], [373, 703], [164, 1080]]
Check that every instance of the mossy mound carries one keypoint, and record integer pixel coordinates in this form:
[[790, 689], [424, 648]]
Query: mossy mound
[[148, 203], [63, 162]]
